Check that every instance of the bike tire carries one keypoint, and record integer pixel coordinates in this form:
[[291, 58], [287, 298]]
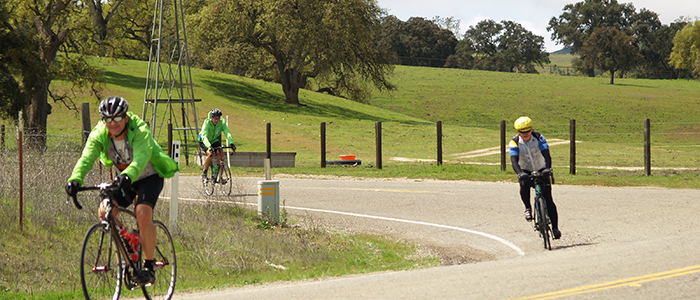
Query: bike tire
[[210, 184], [165, 266], [543, 221], [100, 265], [225, 180]]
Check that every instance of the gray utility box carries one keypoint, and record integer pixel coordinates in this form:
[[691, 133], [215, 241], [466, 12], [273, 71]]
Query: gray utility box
[[256, 159]]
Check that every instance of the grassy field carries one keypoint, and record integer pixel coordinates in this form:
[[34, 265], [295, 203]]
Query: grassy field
[[469, 103]]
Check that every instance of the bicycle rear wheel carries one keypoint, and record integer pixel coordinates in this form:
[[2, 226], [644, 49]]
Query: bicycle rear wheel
[[165, 266], [210, 183], [225, 180], [543, 222], [100, 265]]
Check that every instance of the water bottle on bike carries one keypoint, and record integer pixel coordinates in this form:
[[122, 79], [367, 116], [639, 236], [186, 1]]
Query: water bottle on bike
[[131, 242]]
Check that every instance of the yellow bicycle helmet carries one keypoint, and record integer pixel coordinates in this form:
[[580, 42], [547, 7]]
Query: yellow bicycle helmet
[[523, 124]]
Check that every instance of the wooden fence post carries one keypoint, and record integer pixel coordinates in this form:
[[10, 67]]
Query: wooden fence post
[[572, 147], [439, 143], [647, 147], [503, 145], [85, 107], [269, 141], [2, 138], [323, 144], [378, 130]]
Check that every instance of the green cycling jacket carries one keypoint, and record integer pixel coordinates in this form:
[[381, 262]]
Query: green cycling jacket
[[211, 133], [139, 137]]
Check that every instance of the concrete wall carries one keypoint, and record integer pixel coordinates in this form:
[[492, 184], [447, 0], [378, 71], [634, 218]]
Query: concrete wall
[[256, 159]]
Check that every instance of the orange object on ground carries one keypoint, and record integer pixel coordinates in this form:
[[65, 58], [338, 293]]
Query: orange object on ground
[[347, 157]]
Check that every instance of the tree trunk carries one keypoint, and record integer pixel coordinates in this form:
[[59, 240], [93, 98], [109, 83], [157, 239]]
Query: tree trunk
[[36, 112], [290, 84], [612, 77]]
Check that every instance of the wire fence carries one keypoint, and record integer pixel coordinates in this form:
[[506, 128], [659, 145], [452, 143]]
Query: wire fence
[[598, 145]]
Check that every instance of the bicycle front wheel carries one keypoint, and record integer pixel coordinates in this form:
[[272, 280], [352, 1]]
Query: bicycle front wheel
[[543, 221], [100, 267], [225, 180], [165, 266], [210, 183]]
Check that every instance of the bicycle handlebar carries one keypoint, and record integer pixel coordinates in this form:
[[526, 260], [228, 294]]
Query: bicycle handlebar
[[221, 147], [542, 174], [101, 186]]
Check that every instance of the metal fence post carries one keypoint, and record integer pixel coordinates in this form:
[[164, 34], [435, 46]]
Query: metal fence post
[[503, 145], [323, 144], [378, 130], [21, 171], [647, 147], [572, 147], [439, 143]]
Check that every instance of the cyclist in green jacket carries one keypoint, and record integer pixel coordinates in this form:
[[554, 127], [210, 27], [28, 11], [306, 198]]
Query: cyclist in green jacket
[[124, 141], [210, 137]]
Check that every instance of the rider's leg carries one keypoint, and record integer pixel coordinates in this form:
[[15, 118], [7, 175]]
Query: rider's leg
[[149, 189], [207, 162], [551, 207], [147, 232], [525, 186]]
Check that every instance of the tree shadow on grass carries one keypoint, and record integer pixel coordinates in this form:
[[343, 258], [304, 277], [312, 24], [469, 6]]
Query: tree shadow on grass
[[127, 81], [249, 94]]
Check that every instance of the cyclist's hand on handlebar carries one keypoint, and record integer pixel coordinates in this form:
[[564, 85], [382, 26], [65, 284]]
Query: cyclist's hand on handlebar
[[233, 147], [124, 182], [523, 175], [547, 171], [72, 188]]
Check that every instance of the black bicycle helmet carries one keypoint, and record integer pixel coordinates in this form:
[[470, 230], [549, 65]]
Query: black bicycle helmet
[[215, 112], [113, 106]]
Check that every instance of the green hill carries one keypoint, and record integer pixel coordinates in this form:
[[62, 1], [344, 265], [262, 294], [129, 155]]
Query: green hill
[[470, 104]]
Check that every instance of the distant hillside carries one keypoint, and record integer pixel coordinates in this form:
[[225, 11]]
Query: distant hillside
[[565, 50]]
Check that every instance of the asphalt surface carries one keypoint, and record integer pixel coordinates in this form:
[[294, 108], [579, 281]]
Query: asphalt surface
[[617, 243]]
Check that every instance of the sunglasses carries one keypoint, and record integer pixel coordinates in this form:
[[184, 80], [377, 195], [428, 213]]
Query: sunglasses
[[113, 119], [215, 118]]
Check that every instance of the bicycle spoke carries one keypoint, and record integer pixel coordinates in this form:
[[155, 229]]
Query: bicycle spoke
[[165, 266], [100, 271]]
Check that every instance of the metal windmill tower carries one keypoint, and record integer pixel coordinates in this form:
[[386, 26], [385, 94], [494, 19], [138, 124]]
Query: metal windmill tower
[[169, 80]]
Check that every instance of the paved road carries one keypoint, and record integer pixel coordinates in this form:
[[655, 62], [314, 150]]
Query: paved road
[[618, 243]]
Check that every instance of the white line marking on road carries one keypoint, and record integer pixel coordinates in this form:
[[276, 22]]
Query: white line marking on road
[[493, 237], [486, 235]]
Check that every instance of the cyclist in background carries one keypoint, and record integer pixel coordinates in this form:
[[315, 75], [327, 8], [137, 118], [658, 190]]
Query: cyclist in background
[[210, 137], [123, 140], [529, 152]]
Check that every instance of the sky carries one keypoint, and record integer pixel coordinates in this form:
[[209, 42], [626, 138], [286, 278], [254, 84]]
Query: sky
[[534, 15]]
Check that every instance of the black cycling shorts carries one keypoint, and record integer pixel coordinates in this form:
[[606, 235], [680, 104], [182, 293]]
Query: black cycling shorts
[[214, 144], [147, 189]]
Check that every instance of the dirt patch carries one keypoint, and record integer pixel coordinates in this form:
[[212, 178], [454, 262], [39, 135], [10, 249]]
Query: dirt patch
[[449, 255]]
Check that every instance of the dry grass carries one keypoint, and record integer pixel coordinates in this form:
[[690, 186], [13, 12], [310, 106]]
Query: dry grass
[[219, 244]]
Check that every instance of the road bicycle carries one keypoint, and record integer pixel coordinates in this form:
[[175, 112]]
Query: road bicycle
[[542, 222], [220, 173], [109, 263]]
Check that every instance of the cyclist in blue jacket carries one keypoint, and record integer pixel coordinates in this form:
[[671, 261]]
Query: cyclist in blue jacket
[[529, 152]]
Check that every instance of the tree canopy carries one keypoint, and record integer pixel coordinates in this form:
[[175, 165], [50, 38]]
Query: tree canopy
[[419, 38], [686, 48], [505, 46], [610, 49], [36, 37], [291, 41]]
